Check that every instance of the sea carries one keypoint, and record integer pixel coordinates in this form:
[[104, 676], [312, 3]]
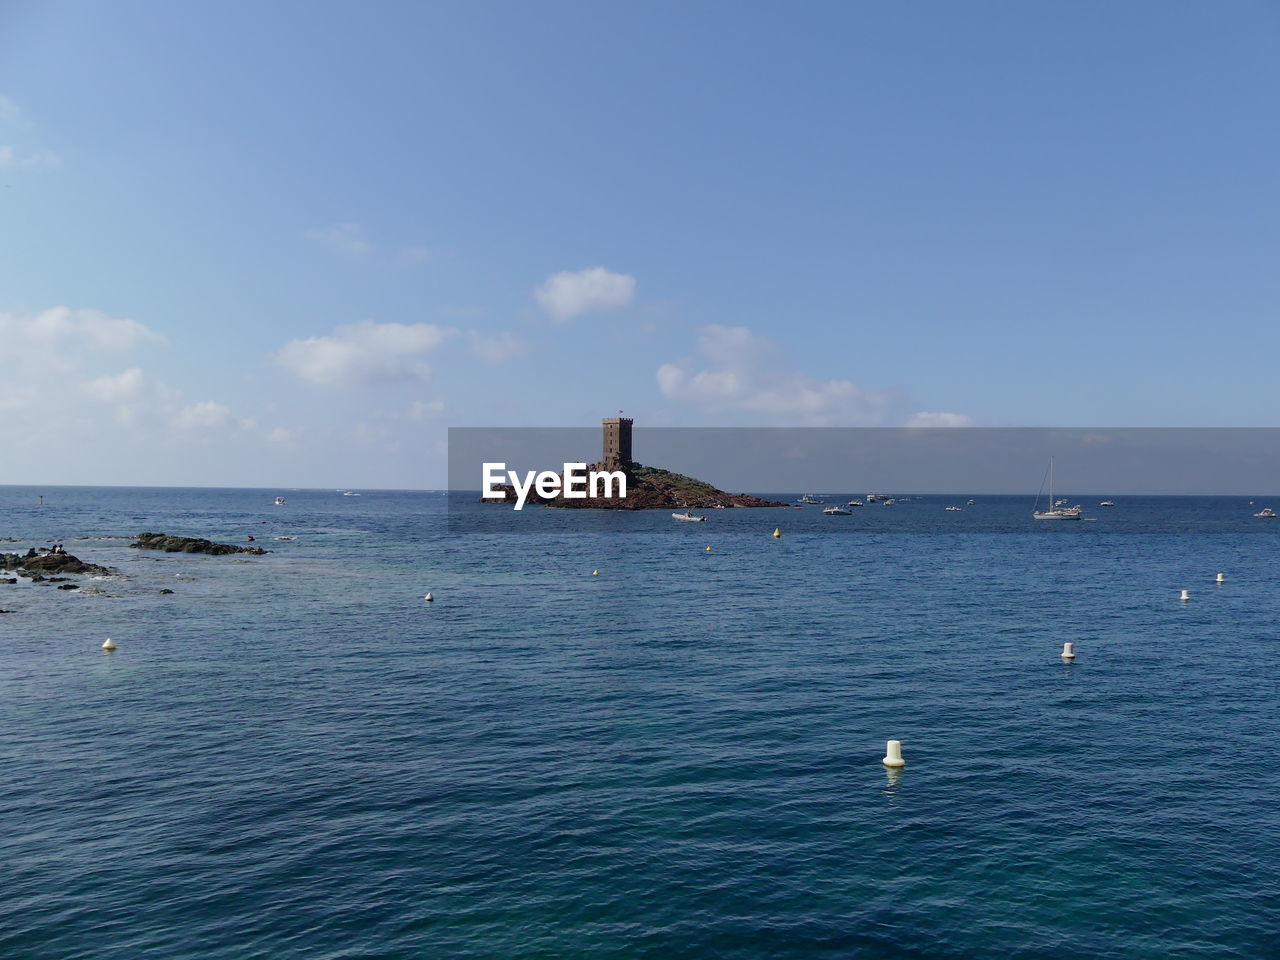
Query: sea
[[623, 744]]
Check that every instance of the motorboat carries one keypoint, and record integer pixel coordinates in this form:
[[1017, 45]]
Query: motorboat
[[688, 517], [837, 511], [810, 498], [955, 509], [874, 497], [279, 501], [1107, 503], [855, 503], [1266, 512]]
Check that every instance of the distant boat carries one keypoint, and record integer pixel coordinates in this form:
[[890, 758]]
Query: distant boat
[[969, 503], [279, 501], [955, 509], [837, 511], [1265, 512], [873, 497], [1057, 511], [855, 503], [1107, 503], [687, 517], [810, 498], [887, 501], [348, 493]]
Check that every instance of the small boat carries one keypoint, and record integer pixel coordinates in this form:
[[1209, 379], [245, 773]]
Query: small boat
[[855, 503], [969, 503], [888, 502], [810, 498], [955, 509], [1058, 510], [688, 517], [1107, 503], [874, 497], [284, 538], [348, 493], [279, 501], [1265, 512], [837, 511]]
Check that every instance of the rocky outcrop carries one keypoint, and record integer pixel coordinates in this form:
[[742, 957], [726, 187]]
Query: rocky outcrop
[[651, 488], [162, 541], [34, 564]]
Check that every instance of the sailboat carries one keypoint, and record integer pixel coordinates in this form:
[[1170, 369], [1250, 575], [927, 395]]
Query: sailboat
[[1056, 511]]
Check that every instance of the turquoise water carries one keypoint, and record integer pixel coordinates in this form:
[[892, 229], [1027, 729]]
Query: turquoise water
[[293, 756]]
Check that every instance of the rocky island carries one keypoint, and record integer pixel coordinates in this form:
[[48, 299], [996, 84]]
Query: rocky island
[[162, 541], [648, 488]]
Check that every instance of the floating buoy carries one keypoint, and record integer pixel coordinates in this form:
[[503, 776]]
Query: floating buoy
[[1186, 595], [709, 550], [1222, 578], [109, 644], [595, 573], [1068, 651], [777, 532], [893, 754], [428, 598]]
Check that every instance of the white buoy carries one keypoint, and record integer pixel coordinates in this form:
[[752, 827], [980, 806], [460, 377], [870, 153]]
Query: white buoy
[[109, 644], [428, 598], [1186, 595], [1221, 578], [1068, 651], [893, 754]]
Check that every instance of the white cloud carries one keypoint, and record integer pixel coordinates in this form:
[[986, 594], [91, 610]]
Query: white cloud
[[205, 415], [10, 114], [497, 347], [567, 294], [421, 410], [415, 253], [12, 157], [282, 437], [364, 352], [345, 237], [122, 388], [64, 327], [737, 371], [924, 419]]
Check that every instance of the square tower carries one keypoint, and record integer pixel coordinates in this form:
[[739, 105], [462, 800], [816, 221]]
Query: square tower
[[617, 442]]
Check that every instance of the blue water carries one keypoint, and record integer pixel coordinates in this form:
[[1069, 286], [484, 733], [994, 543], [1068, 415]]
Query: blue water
[[293, 756]]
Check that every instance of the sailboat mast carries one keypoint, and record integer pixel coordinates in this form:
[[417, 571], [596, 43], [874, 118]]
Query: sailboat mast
[[1051, 500]]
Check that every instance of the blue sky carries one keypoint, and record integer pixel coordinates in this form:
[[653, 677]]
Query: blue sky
[[277, 244]]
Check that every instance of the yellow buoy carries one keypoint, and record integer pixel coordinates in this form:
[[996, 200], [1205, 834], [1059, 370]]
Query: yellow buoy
[[777, 532], [595, 573], [709, 550], [109, 645]]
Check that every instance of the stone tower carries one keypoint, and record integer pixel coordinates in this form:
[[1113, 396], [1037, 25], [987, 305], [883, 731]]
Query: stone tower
[[617, 442]]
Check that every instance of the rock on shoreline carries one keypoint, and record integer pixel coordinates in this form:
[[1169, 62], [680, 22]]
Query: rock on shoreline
[[162, 541]]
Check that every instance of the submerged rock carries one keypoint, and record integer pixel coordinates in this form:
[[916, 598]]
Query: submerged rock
[[162, 541]]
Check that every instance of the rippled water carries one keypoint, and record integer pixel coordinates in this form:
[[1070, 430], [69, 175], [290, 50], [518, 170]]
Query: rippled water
[[293, 756]]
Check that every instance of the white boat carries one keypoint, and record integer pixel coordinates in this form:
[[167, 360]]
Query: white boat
[[279, 501], [688, 517], [837, 511], [1057, 510], [855, 503], [969, 503], [955, 509], [888, 502], [810, 498], [348, 493], [1265, 512], [873, 497], [1107, 503]]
